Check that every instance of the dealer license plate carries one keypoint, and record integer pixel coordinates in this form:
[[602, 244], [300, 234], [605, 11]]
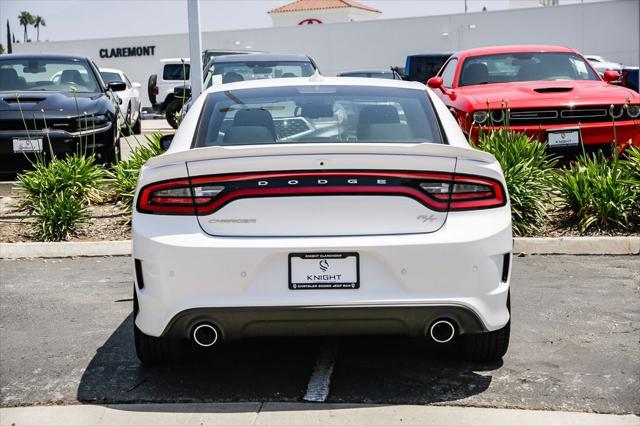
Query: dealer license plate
[[563, 138], [324, 271], [27, 145]]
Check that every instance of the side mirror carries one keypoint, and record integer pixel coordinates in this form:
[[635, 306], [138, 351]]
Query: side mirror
[[117, 86], [435, 82], [182, 91], [165, 142], [438, 83], [610, 76]]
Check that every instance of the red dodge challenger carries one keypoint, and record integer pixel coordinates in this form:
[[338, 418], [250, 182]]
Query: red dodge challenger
[[552, 93]]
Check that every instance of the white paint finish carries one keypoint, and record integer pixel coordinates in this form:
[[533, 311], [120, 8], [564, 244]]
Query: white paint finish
[[323, 216], [385, 42]]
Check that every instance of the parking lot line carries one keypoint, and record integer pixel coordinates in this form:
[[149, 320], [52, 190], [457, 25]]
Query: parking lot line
[[320, 380]]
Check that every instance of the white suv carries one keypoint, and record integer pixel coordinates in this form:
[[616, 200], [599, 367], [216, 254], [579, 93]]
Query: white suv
[[173, 72], [321, 206]]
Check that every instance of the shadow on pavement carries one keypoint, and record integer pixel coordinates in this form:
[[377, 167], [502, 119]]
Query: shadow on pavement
[[368, 369]]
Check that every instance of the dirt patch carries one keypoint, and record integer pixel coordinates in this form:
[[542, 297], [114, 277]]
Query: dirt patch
[[108, 223]]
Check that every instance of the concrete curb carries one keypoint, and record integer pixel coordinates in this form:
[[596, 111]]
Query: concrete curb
[[65, 249], [296, 414], [577, 245], [562, 245]]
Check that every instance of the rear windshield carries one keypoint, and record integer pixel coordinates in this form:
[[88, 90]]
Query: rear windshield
[[231, 72], [525, 66], [317, 114], [176, 72]]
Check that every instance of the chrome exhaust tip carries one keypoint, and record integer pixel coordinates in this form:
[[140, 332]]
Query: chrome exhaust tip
[[442, 331], [205, 335]]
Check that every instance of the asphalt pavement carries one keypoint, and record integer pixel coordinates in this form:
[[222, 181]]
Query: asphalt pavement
[[66, 336]]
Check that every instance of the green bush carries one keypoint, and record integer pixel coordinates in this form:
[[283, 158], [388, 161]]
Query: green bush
[[125, 173], [528, 172], [58, 192], [601, 192], [58, 215]]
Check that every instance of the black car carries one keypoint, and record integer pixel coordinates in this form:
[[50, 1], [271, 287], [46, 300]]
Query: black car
[[54, 104], [422, 67]]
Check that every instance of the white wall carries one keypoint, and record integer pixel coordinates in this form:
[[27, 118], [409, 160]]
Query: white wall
[[609, 28]]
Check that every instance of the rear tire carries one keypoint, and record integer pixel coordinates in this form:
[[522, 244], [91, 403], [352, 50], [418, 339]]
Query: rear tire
[[154, 350], [172, 113], [137, 126], [485, 347]]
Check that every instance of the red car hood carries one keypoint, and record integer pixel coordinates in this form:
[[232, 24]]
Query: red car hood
[[535, 94]]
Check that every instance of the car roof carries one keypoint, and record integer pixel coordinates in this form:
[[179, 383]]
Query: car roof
[[316, 80], [176, 60], [428, 55], [117, 71], [494, 50], [42, 56], [259, 57], [380, 71]]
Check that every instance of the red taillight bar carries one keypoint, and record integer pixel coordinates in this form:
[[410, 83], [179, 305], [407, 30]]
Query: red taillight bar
[[489, 194]]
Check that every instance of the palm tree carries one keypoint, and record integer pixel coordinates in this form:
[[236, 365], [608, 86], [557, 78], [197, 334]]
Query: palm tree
[[25, 19], [38, 21]]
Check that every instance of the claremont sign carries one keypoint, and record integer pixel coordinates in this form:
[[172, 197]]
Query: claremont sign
[[117, 52]]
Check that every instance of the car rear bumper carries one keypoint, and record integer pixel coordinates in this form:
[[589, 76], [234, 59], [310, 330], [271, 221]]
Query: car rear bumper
[[627, 133], [242, 283], [59, 142], [294, 321]]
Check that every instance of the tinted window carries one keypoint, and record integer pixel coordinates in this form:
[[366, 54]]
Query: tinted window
[[230, 72], [110, 76], [449, 73], [526, 66], [56, 75], [322, 114], [422, 68], [176, 72]]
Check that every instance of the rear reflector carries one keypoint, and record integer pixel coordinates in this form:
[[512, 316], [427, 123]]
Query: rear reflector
[[139, 278], [207, 194]]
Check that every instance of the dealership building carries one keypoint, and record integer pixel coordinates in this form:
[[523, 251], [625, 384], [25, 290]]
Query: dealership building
[[343, 35]]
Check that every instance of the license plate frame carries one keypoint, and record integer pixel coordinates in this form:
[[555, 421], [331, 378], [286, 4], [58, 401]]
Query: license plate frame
[[563, 138], [27, 145], [320, 265]]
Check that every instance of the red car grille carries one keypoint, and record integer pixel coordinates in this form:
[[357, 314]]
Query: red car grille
[[567, 115]]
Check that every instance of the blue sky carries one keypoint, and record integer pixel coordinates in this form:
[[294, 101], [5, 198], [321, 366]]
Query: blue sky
[[86, 19]]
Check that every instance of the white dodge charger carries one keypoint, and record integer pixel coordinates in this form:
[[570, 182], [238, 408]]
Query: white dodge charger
[[321, 206]]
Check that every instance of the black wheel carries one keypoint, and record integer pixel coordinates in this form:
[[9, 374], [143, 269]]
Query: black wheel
[[111, 154], [154, 350], [173, 112], [137, 126], [485, 347]]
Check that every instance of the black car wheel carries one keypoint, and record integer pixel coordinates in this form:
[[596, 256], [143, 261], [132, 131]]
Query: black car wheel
[[173, 113], [137, 126]]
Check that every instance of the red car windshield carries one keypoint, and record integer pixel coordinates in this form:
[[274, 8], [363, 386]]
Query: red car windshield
[[525, 66]]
